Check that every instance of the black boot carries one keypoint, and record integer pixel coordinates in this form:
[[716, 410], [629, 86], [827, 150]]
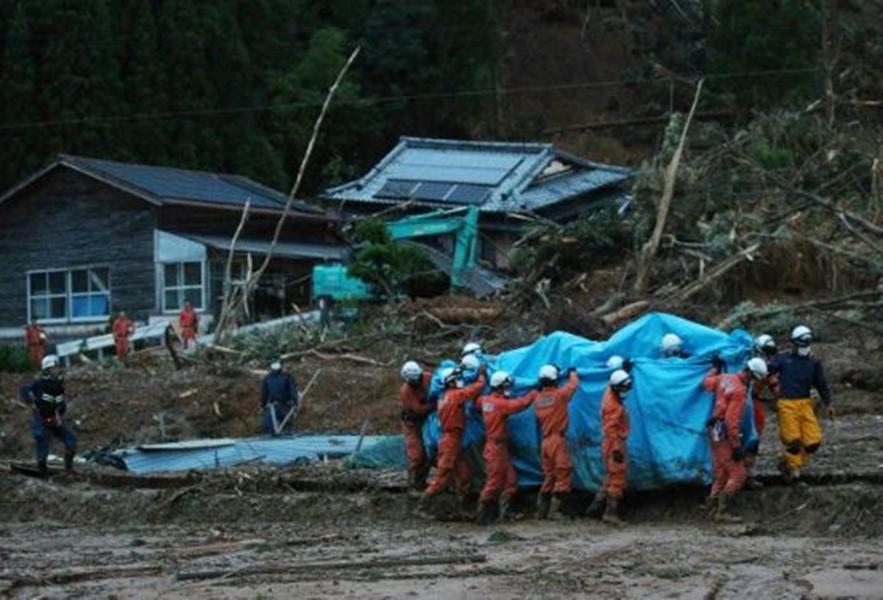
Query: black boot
[[544, 502], [555, 507], [485, 514], [505, 501], [42, 469], [69, 459], [596, 508], [611, 515], [723, 515]]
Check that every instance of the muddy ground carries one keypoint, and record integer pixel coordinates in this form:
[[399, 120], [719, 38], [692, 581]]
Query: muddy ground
[[326, 531]]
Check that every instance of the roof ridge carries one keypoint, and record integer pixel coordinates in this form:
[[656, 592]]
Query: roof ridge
[[474, 144]]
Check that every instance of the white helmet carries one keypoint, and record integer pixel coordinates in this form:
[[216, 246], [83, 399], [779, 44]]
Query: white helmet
[[275, 366], [765, 342], [549, 373], [49, 361], [449, 374], [470, 362], [615, 362], [471, 348], [758, 367], [801, 335], [500, 378], [411, 371], [620, 380], [671, 342]]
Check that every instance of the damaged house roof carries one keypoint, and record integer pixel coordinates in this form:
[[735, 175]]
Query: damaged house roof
[[499, 177]]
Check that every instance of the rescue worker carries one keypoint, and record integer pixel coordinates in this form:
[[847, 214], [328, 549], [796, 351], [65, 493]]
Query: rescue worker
[[35, 339], [472, 348], [451, 466], [189, 322], [501, 482], [615, 431], [46, 396], [279, 398], [672, 346], [551, 409], [616, 362], [798, 372], [469, 368], [761, 392], [415, 408], [727, 456], [122, 328]]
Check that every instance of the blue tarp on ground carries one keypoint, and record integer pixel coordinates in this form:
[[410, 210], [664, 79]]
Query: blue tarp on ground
[[667, 407], [218, 454]]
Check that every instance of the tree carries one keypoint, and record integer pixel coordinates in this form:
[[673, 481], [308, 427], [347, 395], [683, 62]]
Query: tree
[[17, 87]]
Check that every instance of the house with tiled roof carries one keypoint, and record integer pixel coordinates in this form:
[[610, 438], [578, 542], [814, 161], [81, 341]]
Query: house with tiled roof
[[84, 238], [507, 181]]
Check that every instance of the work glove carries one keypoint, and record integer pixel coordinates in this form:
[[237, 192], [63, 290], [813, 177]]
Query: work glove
[[627, 365], [718, 363], [618, 458], [711, 422], [738, 455]]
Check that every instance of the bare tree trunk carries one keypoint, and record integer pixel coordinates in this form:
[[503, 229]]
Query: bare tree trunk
[[648, 251], [223, 326]]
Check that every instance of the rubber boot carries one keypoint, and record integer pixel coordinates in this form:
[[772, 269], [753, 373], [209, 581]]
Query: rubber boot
[[422, 509], [414, 491], [485, 515], [723, 515], [544, 502], [596, 508], [753, 484], [505, 501], [710, 505], [43, 469], [611, 514], [555, 513], [465, 513], [69, 460]]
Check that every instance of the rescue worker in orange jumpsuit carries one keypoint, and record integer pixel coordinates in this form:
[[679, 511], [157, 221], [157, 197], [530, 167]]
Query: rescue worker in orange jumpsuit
[[35, 339], [615, 430], [799, 371], [189, 322], [451, 466], [415, 408], [727, 456], [551, 409], [501, 482], [761, 392], [122, 328]]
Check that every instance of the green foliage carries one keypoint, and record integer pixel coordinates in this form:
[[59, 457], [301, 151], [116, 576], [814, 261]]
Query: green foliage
[[578, 247], [373, 231], [747, 36], [14, 359], [395, 269], [234, 85]]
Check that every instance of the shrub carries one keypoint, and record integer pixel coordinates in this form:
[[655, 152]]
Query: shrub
[[14, 359]]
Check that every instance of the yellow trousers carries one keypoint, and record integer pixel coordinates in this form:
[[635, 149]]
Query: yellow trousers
[[799, 430]]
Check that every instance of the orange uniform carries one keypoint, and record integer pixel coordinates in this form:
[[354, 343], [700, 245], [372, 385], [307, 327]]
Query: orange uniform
[[615, 429], [35, 338], [452, 415], [551, 408], [731, 394], [122, 328], [501, 477], [414, 411], [189, 322]]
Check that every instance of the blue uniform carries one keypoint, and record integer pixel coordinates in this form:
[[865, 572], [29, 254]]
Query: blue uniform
[[46, 396], [280, 390], [798, 374]]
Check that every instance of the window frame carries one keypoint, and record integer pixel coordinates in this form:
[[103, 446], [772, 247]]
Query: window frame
[[182, 287], [68, 294]]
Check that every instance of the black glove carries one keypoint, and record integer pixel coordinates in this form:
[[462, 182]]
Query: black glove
[[738, 455], [718, 363], [711, 422], [618, 458], [627, 365]]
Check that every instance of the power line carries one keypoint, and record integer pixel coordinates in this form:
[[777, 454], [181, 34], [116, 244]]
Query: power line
[[161, 115]]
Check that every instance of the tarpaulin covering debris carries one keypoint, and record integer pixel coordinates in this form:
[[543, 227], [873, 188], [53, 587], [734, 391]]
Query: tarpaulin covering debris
[[218, 454], [668, 407]]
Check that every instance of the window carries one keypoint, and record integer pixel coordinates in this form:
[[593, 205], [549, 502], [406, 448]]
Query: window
[[182, 282], [74, 295]]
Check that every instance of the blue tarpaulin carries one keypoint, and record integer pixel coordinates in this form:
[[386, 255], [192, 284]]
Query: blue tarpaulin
[[667, 407]]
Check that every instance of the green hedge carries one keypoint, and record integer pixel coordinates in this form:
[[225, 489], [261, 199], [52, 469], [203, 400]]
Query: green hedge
[[14, 359]]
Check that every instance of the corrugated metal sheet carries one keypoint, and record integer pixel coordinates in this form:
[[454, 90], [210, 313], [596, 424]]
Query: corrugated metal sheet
[[266, 450], [282, 249], [512, 170], [180, 184]]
